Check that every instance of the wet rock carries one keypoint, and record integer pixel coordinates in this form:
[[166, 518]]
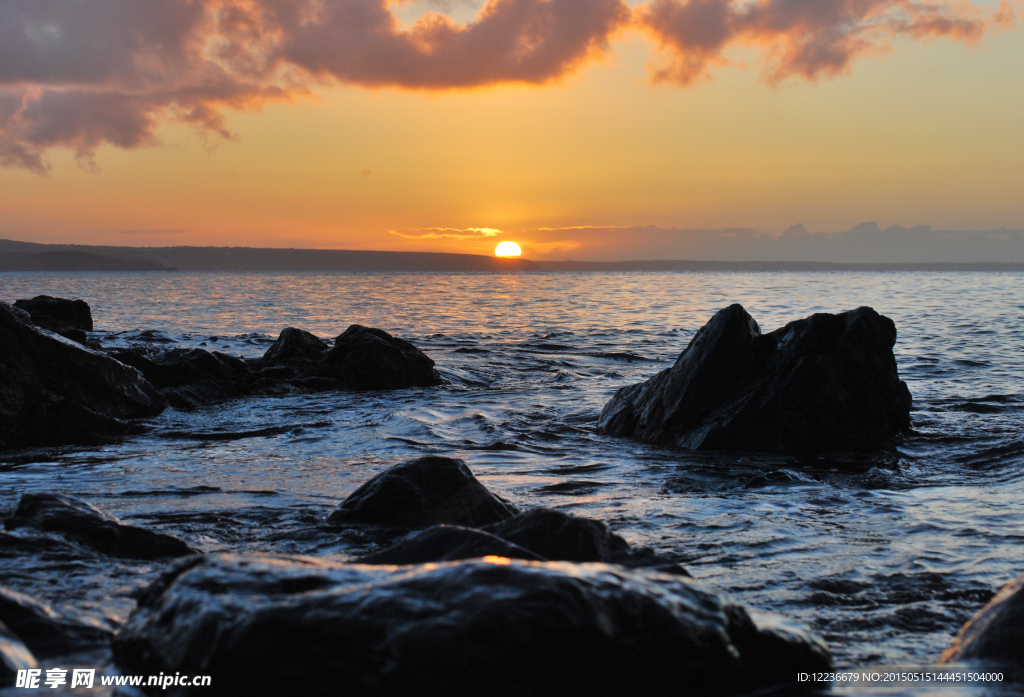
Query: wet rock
[[996, 633], [263, 625], [365, 358], [14, 656], [54, 392], [426, 491], [44, 631], [190, 378], [824, 383], [296, 346], [448, 543], [56, 314], [90, 526], [559, 536]]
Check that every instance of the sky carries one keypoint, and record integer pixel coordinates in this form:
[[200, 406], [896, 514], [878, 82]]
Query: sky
[[590, 129]]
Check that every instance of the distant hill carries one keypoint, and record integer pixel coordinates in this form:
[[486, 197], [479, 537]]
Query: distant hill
[[30, 256]]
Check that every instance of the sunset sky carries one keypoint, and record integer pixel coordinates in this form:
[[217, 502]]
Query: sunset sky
[[450, 125]]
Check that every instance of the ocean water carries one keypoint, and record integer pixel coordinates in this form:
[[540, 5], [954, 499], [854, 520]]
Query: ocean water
[[884, 554]]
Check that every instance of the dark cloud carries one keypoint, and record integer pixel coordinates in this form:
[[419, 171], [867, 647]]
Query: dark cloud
[[76, 74]]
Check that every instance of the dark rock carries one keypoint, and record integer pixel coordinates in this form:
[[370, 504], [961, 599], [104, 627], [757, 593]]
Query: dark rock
[[828, 382], [56, 314], [262, 625], [365, 358], [562, 537], [53, 391], [426, 491], [14, 656], [44, 631], [448, 543], [180, 367], [296, 346], [88, 525], [996, 633]]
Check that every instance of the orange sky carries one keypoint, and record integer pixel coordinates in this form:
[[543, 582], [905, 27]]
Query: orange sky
[[454, 134]]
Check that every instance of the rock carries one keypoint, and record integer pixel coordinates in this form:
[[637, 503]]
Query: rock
[[296, 346], [90, 526], [562, 537], [263, 625], [190, 378], [54, 392], [426, 491], [364, 358], [448, 543], [824, 383], [996, 633], [14, 656], [44, 631], [57, 313]]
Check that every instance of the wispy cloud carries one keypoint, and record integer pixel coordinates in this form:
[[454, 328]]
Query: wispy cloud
[[78, 75], [446, 233]]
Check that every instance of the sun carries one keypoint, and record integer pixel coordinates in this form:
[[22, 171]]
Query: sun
[[507, 249]]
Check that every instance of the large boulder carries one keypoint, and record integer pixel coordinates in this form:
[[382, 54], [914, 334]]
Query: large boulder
[[996, 633], [365, 358], [44, 631], [824, 383], [296, 346], [14, 656], [189, 378], [264, 625], [90, 526], [54, 391], [57, 313], [448, 543], [427, 491]]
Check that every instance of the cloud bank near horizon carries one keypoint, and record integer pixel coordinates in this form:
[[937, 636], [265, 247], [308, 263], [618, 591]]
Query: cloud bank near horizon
[[79, 75]]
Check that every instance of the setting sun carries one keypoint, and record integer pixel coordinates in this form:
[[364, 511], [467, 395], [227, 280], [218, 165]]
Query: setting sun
[[507, 249]]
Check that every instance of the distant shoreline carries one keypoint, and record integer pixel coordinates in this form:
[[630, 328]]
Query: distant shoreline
[[29, 256]]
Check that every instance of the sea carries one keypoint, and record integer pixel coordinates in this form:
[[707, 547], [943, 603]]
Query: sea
[[884, 554]]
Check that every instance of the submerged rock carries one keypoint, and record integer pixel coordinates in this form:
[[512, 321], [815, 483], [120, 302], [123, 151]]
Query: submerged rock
[[559, 536], [296, 346], [44, 631], [263, 625], [54, 392], [448, 543], [996, 633], [827, 382], [14, 656], [426, 491], [90, 526], [365, 358]]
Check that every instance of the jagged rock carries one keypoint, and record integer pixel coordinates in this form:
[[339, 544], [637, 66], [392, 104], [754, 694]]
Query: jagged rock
[[53, 391], [90, 526], [824, 383], [57, 313], [190, 378], [296, 346], [996, 633], [448, 543], [263, 625], [365, 358], [559, 536], [426, 491], [14, 656], [44, 631]]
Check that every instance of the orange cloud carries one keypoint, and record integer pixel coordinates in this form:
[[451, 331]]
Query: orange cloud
[[446, 233]]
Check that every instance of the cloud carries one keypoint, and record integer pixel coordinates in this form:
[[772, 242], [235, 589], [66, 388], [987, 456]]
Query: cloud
[[802, 38], [446, 233], [79, 75]]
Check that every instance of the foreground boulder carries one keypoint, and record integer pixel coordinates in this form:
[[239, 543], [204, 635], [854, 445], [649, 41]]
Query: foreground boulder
[[296, 346], [69, 318], [449, 543], [44, 631], [426, 491], [827, 382], [54, 391], [365, 358], [996, 633], [14, 656], [92, 527], [263, 625]]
